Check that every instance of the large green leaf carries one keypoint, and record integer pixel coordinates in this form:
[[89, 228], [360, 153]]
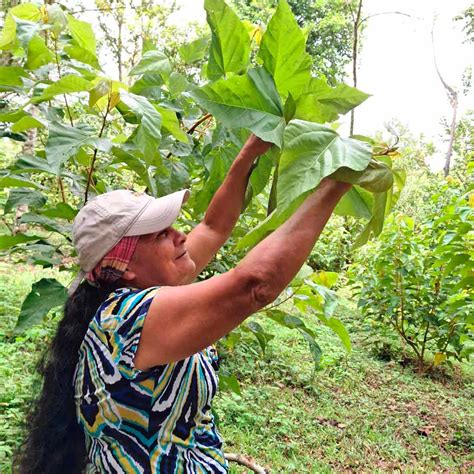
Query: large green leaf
[[283, 52], [25, 30], [82, 33], [56, 18], [7, 241], [383, 202], [16, 182], [82, 55], [195, 50], [171, 124], [274, 220], [10, 77], [137, 165], [250, 101], [312, 152], [356, 203], [45, 295], [47, 223], [65, 141], [32, 164], [148, 134], [289, 321], [12, 115], [24, 11], [322, 103], [61, 210], [230, 44], [8, 32], [261, 174], [153, 62], [376, 178], [338, 327], [66, 85], [18, 196], [38, 53], [375, 224], [25, 123], [149, 85]]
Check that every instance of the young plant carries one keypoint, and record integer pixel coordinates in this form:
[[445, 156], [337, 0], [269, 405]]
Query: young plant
[[417, 279]]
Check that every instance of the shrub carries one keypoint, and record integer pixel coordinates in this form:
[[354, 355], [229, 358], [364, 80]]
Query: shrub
[[416, 280]]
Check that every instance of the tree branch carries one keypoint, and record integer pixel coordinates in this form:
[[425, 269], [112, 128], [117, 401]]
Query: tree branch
[[284, 300], [196, 125], [245, 461], [59, 74], [453, 100], [94, 156], [384, 13]]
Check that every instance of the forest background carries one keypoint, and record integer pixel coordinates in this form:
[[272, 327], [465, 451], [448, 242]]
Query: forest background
[[363, 363]]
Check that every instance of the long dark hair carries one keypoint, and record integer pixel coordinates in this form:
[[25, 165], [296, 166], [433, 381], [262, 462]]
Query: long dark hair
[[55, 441]]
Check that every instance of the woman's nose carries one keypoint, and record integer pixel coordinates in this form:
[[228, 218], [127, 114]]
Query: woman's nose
[[180, 237]]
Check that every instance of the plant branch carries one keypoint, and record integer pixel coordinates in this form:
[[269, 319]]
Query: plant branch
[[245, 461], [199, 122], [193, 127], [61, 187], [384, 13], [453, 100], [94, 156], [284, 300], [59, 74], [423, 346]]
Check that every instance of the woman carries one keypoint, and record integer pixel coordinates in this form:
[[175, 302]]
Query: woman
[[133, 360]]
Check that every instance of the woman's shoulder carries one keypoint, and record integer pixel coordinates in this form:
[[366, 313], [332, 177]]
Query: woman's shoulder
[[121, 304]]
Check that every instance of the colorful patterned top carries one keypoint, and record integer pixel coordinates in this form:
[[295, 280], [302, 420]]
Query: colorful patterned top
[[154, 421]]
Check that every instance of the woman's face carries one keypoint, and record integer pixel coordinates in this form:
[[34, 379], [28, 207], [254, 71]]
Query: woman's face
[[160, 258]]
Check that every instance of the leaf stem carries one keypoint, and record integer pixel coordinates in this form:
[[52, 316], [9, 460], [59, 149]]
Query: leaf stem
[[196, 125], [61, 187], [60, 76], [284, 300], [94, 156], [192, 129]]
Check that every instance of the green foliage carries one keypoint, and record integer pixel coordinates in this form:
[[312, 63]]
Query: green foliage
[[230, 45], [45, 295], [85, 133], [327, 26], [283, 39], [249, 101], [321, 103], [417, 280]]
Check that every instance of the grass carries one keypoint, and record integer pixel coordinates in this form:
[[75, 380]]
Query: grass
[[359, 414]]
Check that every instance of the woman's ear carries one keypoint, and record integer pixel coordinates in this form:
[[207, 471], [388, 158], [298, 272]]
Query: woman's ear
[[129, 275]]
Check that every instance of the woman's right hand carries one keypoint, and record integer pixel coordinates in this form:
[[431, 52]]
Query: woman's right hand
[[335, 186]]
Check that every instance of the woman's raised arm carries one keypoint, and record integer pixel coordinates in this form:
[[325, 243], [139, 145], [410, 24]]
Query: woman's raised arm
[[183, 320], [207, 237]]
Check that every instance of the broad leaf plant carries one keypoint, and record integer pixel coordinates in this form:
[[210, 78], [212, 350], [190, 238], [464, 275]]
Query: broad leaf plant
[[80, 133]]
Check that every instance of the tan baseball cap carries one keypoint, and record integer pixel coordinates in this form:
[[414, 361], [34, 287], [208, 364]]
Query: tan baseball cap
[[104, 220]]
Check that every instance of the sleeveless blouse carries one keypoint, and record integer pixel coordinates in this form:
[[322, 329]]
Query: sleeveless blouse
[[153, 421]]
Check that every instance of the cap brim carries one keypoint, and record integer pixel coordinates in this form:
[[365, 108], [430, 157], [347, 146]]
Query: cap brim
[[159, 214]]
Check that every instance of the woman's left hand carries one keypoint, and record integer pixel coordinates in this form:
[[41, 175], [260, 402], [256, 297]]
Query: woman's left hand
[[256, 145]]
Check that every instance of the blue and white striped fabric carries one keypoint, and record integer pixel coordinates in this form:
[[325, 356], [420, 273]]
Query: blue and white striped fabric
[[154, 421]]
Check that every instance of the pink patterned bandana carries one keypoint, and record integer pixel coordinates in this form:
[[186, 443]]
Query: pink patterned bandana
[[114, 264]]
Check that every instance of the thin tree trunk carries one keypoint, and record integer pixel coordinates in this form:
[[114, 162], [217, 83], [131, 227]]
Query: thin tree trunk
[[453, 101], [355, 47], [452, 133], [119, 48]]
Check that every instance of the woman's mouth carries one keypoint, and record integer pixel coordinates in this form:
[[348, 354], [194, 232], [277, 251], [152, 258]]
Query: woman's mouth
[[182, 255]]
